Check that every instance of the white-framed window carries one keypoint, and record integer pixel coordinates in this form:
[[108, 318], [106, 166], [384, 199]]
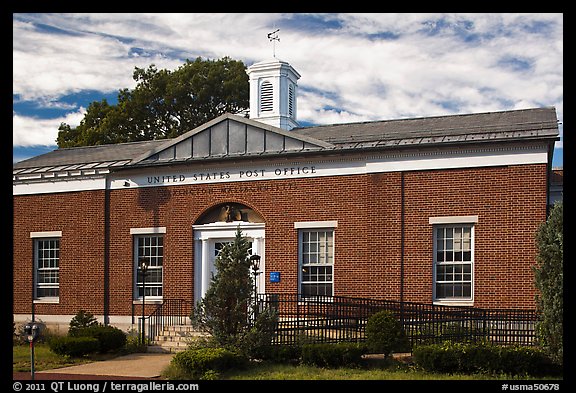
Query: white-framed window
[[316, 256], [46, 268], [151, 247], [453, 263]]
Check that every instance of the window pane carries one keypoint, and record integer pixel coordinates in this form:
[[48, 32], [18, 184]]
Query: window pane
[[453, 276], [458, 272], [440, 273], [440, 291], [151, 247], [317, 255], [47, 267], [458, 290], [440, 233], [467, 290], [458, 240], [449, 272], [440, 245]]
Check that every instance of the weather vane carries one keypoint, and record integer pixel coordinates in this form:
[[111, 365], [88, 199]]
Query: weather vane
[[274, 37]]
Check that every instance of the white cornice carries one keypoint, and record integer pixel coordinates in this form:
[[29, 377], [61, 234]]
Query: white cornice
[[282, 168]]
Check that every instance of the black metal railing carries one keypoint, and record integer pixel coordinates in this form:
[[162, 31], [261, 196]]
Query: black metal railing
[[171, 312], [337, 318]]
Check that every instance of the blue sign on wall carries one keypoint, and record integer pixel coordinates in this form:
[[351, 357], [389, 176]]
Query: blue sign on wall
[[274, 276]]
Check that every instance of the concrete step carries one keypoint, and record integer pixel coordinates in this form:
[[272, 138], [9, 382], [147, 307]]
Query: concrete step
[[175, 339]]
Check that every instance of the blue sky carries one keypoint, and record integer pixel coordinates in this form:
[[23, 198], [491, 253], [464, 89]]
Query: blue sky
[[354, 67]]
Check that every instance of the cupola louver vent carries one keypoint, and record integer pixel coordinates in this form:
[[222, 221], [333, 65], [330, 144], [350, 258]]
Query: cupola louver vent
[[266, 97]]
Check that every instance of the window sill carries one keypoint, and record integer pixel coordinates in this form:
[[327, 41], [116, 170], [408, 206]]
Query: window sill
[[148, 301], [459, 303], [53, 300]]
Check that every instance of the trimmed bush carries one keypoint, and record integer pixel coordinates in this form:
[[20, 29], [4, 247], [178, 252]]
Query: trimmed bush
[[207, 363], [333, 355], [109, 338], [280, 353], [384, 334], [451, 357], [73, 346]]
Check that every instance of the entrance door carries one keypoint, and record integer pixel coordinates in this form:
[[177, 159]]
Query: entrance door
[[215, 247], [209, 240]]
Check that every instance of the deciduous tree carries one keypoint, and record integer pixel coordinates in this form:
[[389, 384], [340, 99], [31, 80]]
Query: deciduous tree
[[164, 104]]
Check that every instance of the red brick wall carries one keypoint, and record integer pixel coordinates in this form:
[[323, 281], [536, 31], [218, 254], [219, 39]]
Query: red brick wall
[[510, 203], [80, 217]]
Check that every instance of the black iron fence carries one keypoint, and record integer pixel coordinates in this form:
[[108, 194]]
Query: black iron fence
[[337, 318]]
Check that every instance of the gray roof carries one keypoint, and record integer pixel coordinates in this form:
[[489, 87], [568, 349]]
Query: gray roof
[[517, 124], [90, 154], [514, 125]]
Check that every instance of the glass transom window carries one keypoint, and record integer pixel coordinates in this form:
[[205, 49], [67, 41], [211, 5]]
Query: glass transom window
[[317, 263], [453, 260]]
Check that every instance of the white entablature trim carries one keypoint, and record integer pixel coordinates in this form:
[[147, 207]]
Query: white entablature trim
[[336, 165]]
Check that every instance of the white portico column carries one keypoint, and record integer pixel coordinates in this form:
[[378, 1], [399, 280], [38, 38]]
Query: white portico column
[[258, 248], [205, 267]]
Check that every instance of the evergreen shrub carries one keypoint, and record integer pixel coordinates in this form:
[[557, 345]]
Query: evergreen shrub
[[384, 334], [206, 362], [81, 320], [109, 338], [450, 357], [333, 355], [73, 346]]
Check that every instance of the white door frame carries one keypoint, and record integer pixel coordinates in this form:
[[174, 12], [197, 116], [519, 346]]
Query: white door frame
[[206, 235]]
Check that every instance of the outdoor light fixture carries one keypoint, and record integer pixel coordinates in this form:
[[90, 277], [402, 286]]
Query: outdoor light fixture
[[255, 260], [143, 264]]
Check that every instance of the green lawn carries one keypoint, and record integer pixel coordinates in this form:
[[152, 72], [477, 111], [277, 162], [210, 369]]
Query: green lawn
[[45, 359]]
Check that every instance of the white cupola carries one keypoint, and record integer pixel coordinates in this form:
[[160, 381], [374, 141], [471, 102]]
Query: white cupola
[[273, 91]]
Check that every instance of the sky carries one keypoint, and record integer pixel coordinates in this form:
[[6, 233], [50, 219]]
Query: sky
[[354, 67]]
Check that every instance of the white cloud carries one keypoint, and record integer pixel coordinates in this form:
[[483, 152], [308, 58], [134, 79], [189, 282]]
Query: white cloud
[[357, 67], [30, 131]]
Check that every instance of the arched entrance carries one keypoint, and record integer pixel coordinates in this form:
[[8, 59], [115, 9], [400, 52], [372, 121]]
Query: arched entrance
[[218, 226]]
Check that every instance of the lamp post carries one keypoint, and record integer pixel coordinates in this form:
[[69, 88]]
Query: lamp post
[[143, 264], [255, 261]]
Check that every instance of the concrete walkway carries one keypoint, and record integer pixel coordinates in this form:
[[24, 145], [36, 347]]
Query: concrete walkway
[[145, 365]]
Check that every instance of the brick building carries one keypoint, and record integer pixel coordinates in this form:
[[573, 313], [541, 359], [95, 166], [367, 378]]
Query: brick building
[[437, 210]]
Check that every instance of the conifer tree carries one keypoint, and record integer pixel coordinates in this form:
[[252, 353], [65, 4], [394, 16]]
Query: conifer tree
[[549, 277], [224, 312]]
